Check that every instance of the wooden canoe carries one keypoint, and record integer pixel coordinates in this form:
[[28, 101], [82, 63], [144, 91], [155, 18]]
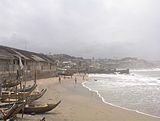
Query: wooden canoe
[[14, 95], [39, 108], [28, 89], [32, 97], [36, 95], [10, 84], [12, 111]]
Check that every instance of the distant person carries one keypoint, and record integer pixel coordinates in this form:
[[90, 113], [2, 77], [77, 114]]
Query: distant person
[[59, 79], [83, 77], [75, 80]]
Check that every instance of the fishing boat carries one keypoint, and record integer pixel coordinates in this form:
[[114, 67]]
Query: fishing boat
[[39, 108], [36, 95], [32, 97], [8, 113], [10, 84], [28, 89], [14, 95]]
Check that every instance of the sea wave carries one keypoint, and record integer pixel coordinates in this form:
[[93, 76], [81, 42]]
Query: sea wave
[[127, 80], [152, 69], [104, 101]]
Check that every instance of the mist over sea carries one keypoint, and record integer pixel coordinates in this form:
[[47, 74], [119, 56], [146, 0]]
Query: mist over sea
[[138, 91]]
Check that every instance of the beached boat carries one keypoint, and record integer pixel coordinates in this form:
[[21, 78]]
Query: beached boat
[[14, 95], [28, 89], [9, 113], [39, 108], [36, 95], [8, 96], [32, 97], [10, 84]]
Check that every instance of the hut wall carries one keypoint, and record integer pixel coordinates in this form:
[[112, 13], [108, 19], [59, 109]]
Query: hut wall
[[5, 65], [10, 63]]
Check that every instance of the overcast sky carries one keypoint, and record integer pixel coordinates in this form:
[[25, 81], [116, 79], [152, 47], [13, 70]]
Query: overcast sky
[[99, 28]]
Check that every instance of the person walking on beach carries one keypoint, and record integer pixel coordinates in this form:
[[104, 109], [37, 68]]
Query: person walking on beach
[[59, 79], [75, 80], [83, 77]]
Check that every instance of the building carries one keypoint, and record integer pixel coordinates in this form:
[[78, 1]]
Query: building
[[10, 59]]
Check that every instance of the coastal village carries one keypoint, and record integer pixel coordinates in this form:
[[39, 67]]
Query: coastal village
[[17, 67], [51, 65], [79, 60]]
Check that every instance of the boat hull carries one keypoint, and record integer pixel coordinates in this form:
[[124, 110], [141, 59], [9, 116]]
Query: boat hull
[[34, 109]]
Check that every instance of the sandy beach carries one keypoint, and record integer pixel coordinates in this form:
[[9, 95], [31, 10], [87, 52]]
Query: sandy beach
[[79, 104]]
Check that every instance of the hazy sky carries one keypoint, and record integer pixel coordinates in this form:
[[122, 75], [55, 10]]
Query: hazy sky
[[99, 28]]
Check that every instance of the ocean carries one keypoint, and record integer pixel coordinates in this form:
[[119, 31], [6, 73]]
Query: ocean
[[138, 91]]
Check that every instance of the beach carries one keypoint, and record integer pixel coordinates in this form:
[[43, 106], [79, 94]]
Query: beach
[[79, 104]]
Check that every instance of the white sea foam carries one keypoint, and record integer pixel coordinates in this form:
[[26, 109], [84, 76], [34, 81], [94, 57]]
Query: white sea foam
[[102, 98], [127, 80], [152, 69], [138, 91]]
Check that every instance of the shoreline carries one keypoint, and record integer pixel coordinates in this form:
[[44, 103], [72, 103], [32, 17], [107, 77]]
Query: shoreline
[[105, 102], [78, 103]]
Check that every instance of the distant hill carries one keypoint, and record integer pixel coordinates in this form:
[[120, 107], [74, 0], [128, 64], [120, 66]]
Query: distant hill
[[128, 62], [135, 63], [64, 57]]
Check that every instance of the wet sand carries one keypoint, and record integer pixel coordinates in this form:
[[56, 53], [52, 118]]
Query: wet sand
[[79, 104]]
